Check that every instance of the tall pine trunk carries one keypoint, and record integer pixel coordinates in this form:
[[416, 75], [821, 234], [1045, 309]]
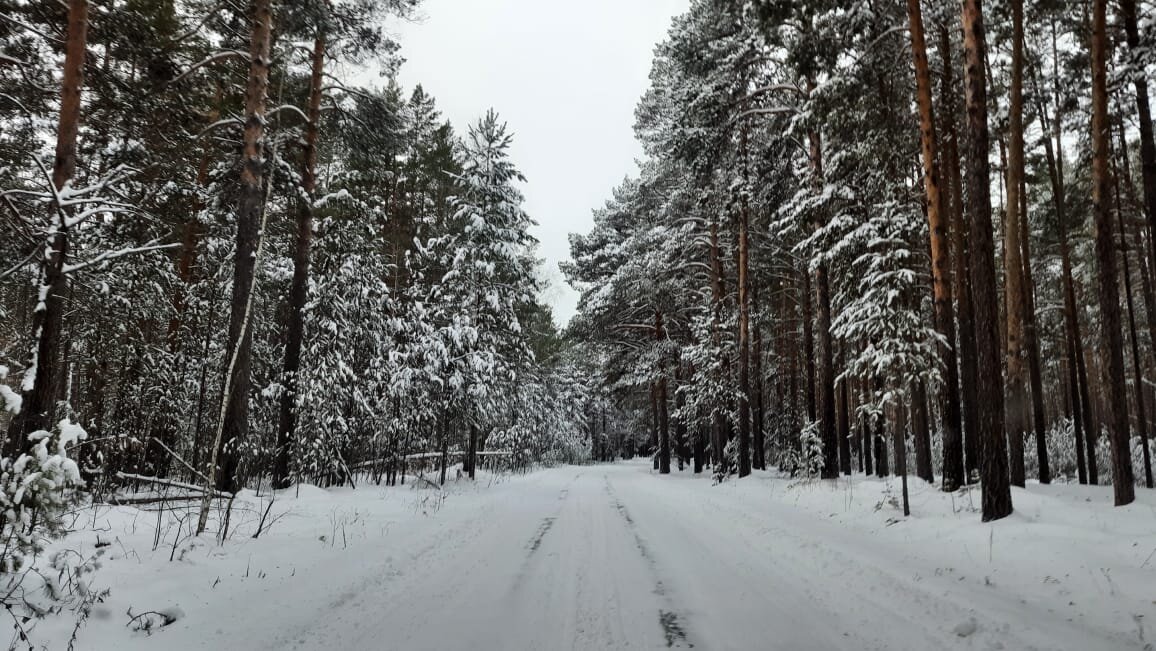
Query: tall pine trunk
[[39, 400], [299, 287], [993, 466], [826, 378], [1110, 338], [940, 256], [661, 412], [961, 458], [1137, 373], [1081, 416], [759, 442], [744, 411], [236, 412], [1144, 113], [1032, 347], [1013, 257]]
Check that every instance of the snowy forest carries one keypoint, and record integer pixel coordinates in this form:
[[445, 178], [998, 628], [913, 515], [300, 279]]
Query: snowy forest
[[243, 267], [237, 259], [864, 239]]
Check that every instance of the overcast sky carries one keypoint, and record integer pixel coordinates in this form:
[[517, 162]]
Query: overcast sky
[[565, 76]]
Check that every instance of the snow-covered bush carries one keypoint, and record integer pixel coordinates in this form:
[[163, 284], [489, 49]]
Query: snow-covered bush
[[806, 460], [730, 461], [35, 490]]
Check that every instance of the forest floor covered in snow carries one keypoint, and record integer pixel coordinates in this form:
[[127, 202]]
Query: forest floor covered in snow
[[617, 556]]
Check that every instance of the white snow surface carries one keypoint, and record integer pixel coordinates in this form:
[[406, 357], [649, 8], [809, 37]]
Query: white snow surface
[[619, 557]]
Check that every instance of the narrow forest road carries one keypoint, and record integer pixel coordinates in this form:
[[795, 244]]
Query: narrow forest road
[[615, 557]]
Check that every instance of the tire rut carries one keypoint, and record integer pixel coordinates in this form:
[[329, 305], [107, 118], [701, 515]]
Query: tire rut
[[672, 625]]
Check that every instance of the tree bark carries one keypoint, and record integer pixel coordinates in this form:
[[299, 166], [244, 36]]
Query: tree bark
[[236, 421], [663, 420], [1144, 113], [299, 287], [1112, 345], [717, 419], [920, 434], [1032, 347], [826, 374], [960, 458], [1013, 258], [940, 252], [744, 411], [760, 461], [39, 399], [826, 377], [1138, 374], [996, 490], [808, 351], [1073, 346]]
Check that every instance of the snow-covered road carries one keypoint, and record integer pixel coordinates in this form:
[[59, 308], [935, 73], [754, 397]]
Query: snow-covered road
[[617, 557]]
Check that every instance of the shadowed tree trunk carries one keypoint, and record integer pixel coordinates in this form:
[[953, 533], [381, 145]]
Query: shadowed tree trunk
[[868, 442], [662, 415], [961, 458], [717, 421], [39, 400], [236, 412], [826, 378], [760, 461], [1032, 347], [937, 223], [1144, 113], [1109, 296], [744, 411], [808, 351], [1138, 375], [1013, 256], [299, 288], [1081, 418], [993, 467], [920, 432]]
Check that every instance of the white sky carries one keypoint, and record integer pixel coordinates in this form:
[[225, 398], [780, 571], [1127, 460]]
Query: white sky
[[565, 76]]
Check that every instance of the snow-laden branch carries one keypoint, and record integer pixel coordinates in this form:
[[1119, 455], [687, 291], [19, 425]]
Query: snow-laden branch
[[770, 110], [112, 255], [19, 265], [218, 124], [287, 107], [219, 56]]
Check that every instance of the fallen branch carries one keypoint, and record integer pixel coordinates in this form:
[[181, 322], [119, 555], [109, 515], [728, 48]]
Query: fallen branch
[[171, 483]]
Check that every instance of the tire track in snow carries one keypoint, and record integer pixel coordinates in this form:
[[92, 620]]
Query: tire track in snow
[[543, 529], [672, 626]]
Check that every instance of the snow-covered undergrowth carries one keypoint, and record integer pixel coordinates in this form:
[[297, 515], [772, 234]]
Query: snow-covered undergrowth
[[557, 553], [168, 587]]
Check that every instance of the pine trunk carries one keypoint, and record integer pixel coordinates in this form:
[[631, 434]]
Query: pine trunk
[[940, 249], [960, 457], [299, 288], [993, 466], [236, 413], [1144, 113], [663, 420], [1032, 347], [1014, 266], [760, 460], [744, 411], [1111, 339], [39, 400], [1137, 373]]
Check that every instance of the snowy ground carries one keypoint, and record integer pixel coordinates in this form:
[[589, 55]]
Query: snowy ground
[[614, 556]]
